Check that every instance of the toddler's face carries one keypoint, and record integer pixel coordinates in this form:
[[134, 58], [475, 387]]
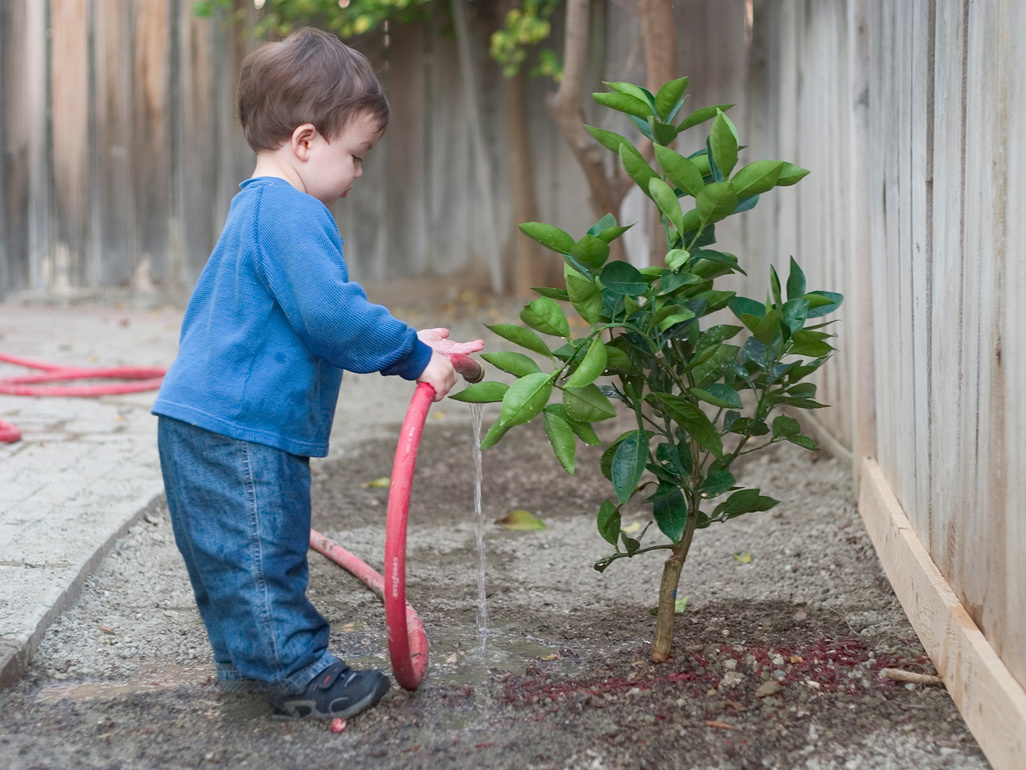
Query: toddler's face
[[334, 166]]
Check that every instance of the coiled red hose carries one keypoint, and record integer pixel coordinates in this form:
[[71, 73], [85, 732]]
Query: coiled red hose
[[407, 640], [144, 378]]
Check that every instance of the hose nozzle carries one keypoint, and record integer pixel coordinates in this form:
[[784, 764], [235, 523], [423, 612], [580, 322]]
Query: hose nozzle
[[467, 367]]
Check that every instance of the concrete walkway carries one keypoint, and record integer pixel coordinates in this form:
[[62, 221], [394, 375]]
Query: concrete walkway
[[84, 469]]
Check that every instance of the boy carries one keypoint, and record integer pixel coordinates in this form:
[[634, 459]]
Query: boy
[[271, 324]]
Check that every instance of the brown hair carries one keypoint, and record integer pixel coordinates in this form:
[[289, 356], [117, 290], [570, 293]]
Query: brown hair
[[309, 77]]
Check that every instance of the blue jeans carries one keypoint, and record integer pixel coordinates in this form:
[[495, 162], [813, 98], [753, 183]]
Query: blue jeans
[[241, 518]]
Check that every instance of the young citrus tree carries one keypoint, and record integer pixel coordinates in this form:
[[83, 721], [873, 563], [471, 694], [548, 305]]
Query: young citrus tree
[[702, 392]]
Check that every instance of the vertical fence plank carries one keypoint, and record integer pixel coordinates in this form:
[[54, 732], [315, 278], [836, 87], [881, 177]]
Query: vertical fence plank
[[69, 107], [151, 162], [24, 178], [114, 215], [196, 125], [980, 568], [946, 309], [1013, 358]]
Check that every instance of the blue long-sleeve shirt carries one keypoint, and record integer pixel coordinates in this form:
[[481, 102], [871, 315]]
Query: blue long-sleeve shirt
[[272, 323]]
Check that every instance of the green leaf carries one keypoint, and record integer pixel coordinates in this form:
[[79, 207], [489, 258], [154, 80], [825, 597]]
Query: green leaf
[[739, 502], [591, 251], [481, 393], [716, 484], [681, 171], [791, 174], [639, 93], [822, 303], [525, 399], [609, 522], [608, 139], [585, 296], [795, 281], [804, 441], [518, 335], [670, 97], [516, 364], [495, 433], [709, 369], [617, 360], [629, 464], [546, 316], [623, 278], [669, 511], [667, 202], [785, 427], [724, 144], [587, 404], [702, 115], [775, 287], [669, 282], [768, 328], [691, 419], [593, 364], [795, 312], [603, 224], [561, 437], [742, 306], [630, 105], [547, 291], [756, 178], [610, 234], [635, 166], [671, 315], [548, 236], [582, 430], [662, 133], [629, 543], [719, 395], [715, 201], [521, 521], [677, 458]]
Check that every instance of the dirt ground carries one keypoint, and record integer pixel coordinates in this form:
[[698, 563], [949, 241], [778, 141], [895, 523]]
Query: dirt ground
[[794, 596]]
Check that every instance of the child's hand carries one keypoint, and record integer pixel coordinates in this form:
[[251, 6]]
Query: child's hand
[[438, 340], [439, 374]]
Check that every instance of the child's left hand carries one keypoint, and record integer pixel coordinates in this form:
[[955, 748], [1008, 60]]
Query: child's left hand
[[439, 341]]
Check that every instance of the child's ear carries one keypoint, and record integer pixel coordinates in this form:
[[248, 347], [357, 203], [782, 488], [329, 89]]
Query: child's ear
[[302, 138]]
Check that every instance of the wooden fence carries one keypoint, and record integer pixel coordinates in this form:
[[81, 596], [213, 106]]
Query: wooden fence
[[121, 150], [905, 112], [120, 155]]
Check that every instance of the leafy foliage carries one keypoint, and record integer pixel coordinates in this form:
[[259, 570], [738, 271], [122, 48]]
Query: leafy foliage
[[702, 393], [347, 19], [525, 26]]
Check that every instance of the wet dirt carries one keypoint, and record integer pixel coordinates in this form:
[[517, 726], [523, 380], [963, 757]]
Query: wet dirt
[[793, 596]]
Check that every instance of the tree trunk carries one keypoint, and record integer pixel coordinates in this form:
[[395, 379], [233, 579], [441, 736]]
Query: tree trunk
[[660, 39], [530, 266], [493, 258], [565, 107], [663, 640]]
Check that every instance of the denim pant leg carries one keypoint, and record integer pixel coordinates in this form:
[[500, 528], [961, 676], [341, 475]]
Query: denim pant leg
[[241, 517]]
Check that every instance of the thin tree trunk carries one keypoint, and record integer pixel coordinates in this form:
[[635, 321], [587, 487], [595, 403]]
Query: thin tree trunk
[[530, 267], [483, 166], [662, 643], [565, 107], [660, 39]]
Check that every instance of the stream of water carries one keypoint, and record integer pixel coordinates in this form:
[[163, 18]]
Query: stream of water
[[476, 414]]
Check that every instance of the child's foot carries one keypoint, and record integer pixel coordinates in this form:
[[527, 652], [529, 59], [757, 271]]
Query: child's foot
[[337, 692]]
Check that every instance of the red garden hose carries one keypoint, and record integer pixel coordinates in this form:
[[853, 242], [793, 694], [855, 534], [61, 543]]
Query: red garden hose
[[144, 378], [407, 641]]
